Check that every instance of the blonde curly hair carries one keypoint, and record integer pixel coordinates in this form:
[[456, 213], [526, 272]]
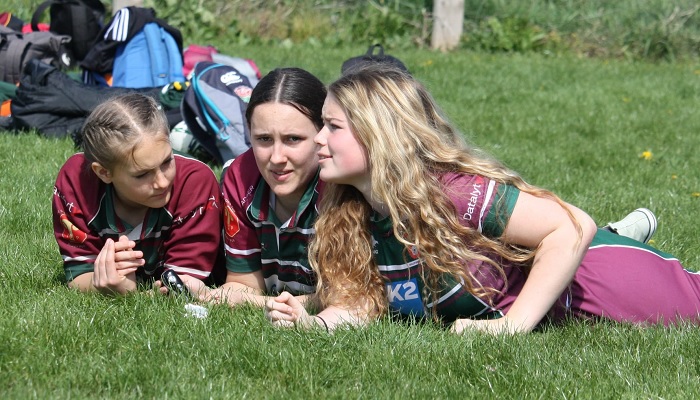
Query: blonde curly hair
[[409, 145]]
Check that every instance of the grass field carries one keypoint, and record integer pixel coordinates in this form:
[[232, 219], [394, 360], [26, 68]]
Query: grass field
[[575, 126]]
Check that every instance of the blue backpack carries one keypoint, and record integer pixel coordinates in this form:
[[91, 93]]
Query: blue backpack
[[149, 59]]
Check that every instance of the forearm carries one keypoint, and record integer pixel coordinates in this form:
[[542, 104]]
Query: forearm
[[553, 269], [84, 283], [234, 293], [333, 317]]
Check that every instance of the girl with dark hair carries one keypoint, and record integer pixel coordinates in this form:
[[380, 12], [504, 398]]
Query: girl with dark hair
[[270, 193], [126, 208]]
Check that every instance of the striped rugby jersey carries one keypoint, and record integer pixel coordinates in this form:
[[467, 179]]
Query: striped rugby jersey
[[482, 204], [254, 238], [185, 235]]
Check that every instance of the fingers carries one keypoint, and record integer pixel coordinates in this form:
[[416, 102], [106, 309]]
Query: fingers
[[124, 244], [126, 259], [283, 324], [105, 273], [278, 311]]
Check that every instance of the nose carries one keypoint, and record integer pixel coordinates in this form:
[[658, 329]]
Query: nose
[[320, 137], [278, 156], [160, 181]]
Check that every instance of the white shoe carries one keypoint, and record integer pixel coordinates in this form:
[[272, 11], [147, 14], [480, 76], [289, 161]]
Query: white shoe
[[639, 225]]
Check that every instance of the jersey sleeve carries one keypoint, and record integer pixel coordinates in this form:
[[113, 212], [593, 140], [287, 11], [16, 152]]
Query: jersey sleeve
[[481, 203], [241, 239], [194, 242], [76, 196]]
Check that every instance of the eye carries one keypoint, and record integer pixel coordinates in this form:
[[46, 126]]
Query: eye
[[167, 163], [263, 139], [294, 139]]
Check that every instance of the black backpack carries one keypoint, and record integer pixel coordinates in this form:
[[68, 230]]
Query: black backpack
[[82, 20], [370, 58], [17, 49]]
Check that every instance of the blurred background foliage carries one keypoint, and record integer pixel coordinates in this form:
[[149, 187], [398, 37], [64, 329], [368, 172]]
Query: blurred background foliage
[[657, 30]]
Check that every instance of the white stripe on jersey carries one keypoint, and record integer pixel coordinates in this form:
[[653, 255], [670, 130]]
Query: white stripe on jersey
[[446, 295], [487, 198], [284, 262], [602, 246], [81, 258], [245, 252], [400, 266], [305, 231]]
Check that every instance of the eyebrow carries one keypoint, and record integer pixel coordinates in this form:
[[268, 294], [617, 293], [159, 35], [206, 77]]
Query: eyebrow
[[145, 170]]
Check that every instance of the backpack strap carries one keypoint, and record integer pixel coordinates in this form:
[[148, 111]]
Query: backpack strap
[[370, 51], [82, 36], [154, 41], [37, 14], [165, 67], [206, 104]]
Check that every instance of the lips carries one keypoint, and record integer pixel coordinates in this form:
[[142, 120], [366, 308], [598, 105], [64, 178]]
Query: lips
[[322, 156], [162, 195]]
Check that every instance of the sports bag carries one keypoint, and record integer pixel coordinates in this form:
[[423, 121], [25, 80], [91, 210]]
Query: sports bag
[[82, 20], [56, 105], [16, 49], [151, 58], [214, 109]]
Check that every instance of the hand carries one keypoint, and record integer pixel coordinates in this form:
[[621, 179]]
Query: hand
[[115, 267], [287, 311], [493, 326], [127, 260]]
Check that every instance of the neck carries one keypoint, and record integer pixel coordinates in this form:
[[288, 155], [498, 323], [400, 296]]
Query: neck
[[373, 200], [285, 207], [130, 213]]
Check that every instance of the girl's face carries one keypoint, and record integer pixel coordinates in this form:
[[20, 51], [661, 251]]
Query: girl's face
[[144, 181], [342, 158], [284, 149]]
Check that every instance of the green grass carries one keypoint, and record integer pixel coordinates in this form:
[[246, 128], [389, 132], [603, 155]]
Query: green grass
[[576, 126]]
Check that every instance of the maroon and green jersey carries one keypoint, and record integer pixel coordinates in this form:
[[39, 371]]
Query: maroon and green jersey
[[256, 240], [185, 235], [483, 205], [619, 278]]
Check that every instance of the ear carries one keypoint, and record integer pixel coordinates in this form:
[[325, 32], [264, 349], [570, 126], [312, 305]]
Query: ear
[[101, 172]]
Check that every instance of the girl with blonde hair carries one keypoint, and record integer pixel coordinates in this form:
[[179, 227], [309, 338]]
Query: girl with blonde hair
[[127, 208], [417, 222]]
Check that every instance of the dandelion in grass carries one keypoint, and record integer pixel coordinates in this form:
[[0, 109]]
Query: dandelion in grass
[[626, 99], [646, 155], [695, 194], [674, 177]]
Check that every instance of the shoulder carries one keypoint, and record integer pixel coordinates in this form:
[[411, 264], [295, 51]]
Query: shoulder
[[458, 186], [241, 176], [187, 166], [76, 171], [242, 166]]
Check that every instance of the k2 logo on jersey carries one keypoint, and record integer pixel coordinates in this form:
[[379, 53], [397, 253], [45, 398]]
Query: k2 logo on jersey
[[404, 296]]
